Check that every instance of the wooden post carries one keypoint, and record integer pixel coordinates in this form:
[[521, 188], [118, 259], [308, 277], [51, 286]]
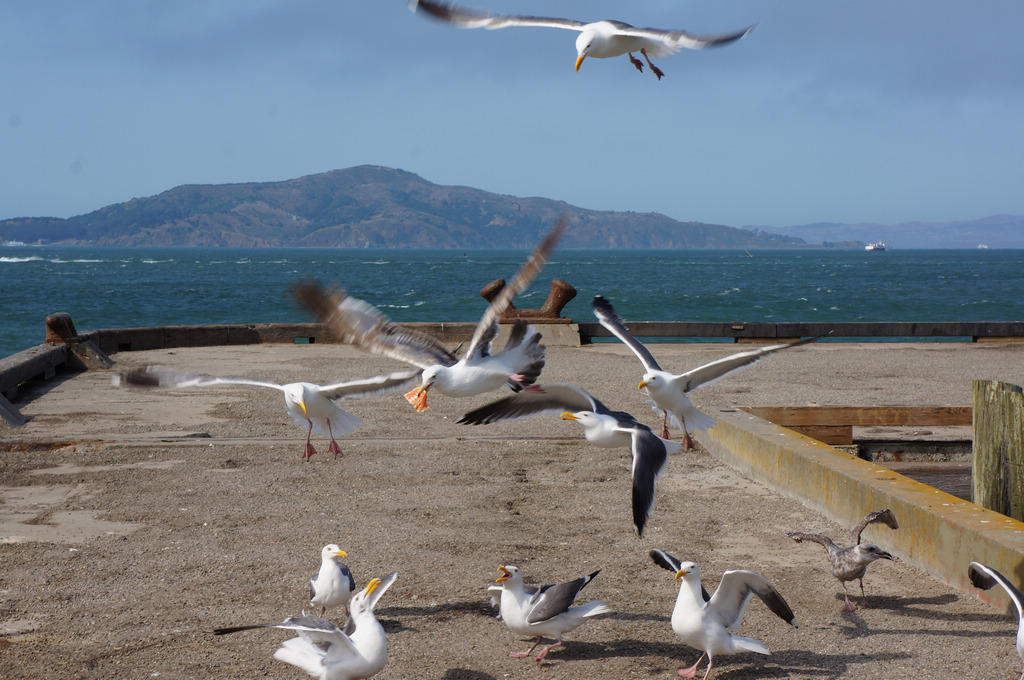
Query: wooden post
[[998, 470]]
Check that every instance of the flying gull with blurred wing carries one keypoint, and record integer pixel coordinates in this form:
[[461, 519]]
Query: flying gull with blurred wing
[[545, 610], [601, 427], [326, 652], [850, 563], [308, 404], [705, 622], [985, 577], [668, 390], [478, 371], [597, 39]]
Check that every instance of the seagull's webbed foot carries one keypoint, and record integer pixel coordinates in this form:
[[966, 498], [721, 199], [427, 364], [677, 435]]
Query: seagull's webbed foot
[[654, 69], [863, 598], [687, 441], [691, 672], [636, 62], [309, 451], [334, 448], [544, 652], [847, 605], [664, 425]]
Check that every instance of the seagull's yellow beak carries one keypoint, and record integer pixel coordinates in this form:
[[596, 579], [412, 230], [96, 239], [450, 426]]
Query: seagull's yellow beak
[[579, 60], [371, 586], [302, 405], [341, 553], [569, 416], [643, 384], [505, 573], [681, 573]]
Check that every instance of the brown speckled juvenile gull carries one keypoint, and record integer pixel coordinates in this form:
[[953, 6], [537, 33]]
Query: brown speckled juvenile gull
[[850, 563]]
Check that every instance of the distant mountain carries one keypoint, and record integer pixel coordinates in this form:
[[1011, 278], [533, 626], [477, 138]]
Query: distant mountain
[[368, 206], [996, 231]]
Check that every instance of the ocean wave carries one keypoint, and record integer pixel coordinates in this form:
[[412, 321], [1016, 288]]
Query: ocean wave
[[16, 260]]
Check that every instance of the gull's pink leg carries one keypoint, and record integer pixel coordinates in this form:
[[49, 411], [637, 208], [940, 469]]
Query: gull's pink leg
[[310, 451], [691, 672], [664, 425], [523, 655], [847, 605], [654, 69], [863, 598], [711, 662], [519, 378], [333, 448], [544, 652], [636, 62]]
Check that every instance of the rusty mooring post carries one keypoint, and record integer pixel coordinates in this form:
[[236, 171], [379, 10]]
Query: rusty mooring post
[[559, 296], [83, 353], [998, 466]]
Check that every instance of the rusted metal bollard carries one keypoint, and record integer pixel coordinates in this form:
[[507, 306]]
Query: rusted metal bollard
[[559, 296], [84, 354], [60, 329]]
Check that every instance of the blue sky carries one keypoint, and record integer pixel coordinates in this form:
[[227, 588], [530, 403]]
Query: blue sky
[[875, 111]]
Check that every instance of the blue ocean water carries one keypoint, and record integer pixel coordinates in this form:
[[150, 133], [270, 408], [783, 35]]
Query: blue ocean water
[[105, 287]]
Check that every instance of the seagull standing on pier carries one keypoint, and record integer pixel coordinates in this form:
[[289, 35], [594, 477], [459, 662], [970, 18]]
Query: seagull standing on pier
[[601, 427], [850, 563], [597, 39], [478, 371], [333, 585], [668, 390], [544, 611], [705, 623], [313, 406]]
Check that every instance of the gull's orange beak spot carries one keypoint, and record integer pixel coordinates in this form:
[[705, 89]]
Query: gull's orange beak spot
[[418, 399], [579, 60], [569, 416]]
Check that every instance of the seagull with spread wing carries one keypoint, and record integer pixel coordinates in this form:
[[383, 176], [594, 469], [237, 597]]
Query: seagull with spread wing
[[544, 611], [985, 577], [327, 652], [705, 622], [601, 427], [597, 39], [668, 390], [310, 405], [478, 371], [850, 563]]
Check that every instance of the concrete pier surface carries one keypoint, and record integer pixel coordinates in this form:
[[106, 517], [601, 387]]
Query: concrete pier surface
[[134, 522]]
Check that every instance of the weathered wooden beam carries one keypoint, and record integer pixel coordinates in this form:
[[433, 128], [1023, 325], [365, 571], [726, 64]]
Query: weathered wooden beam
[[811, 416], [998, 460]]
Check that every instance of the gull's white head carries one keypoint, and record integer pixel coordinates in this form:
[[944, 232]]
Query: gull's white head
[[688, 571], [584, 43], [332, 552], [584, 418], [509, 573], [295, 396], [650, 380]]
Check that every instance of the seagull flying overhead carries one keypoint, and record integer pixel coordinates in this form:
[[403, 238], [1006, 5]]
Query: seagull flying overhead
[[543, 611], [478, 371], [598, 39], [601, 427], [324, 651], [333, 585], [984, 577], [850, 563], [308, 404], [705, 623], [668, 390]]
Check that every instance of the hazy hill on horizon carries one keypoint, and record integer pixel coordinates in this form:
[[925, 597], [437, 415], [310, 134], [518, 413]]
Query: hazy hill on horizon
[[368, 206], [994, 231]]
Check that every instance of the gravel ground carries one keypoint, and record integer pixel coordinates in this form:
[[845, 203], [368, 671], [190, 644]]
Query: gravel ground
[[133, 523]]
